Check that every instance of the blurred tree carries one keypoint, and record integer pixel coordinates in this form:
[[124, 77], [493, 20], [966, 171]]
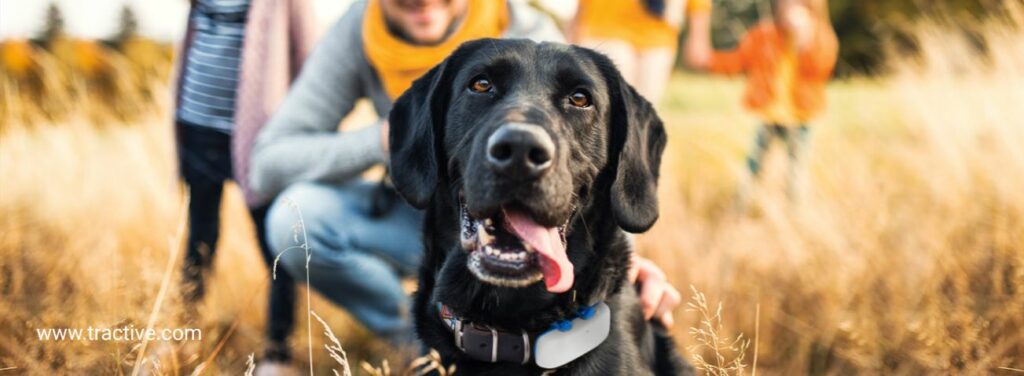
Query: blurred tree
[[129, 25], [53, 27], [731, 19], [128, 28], [864, 27]]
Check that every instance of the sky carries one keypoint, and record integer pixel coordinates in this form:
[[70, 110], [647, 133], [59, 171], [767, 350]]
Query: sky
[[159, 19]]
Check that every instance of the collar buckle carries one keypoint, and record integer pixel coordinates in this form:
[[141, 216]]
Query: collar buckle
[[458, 335]]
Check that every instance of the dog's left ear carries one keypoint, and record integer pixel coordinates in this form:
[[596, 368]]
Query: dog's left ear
[[638, 138], [413, 123]]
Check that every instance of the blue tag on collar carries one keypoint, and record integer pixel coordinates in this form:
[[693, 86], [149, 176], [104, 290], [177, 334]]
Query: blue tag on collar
[[570, 339]]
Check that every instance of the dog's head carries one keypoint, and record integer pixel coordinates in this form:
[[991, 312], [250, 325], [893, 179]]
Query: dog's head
[[517, 140]]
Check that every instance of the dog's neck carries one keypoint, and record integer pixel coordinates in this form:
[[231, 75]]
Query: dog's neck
[[601, 256], [570, 338]]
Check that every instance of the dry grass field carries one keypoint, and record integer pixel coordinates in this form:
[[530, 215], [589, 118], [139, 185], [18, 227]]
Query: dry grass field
[[905, 255]]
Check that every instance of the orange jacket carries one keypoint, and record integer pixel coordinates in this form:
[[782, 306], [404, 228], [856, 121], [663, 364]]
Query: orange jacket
[[758, 56]]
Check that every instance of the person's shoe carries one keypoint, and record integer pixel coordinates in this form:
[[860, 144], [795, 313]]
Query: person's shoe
[[277, 351], [277, 360], [275, 368]]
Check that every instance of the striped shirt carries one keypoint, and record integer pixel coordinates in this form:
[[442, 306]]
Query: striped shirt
[[210, 77]]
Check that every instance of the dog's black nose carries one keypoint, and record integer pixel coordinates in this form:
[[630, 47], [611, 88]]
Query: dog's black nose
[[520, 151]]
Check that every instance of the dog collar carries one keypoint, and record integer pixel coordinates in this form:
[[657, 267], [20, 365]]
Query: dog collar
[[562, 342]]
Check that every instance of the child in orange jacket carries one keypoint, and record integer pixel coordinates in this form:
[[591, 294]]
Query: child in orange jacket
[[787, 61]]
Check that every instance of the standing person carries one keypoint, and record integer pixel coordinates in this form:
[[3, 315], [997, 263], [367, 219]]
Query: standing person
[[788, 60], [237, 61], [360, 248], [642, 37]]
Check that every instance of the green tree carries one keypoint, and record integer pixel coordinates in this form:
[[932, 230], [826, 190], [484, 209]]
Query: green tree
[[54, 24], [129, 25], [864, 27]]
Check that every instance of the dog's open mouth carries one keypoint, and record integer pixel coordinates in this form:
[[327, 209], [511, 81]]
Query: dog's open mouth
[[510, 249]]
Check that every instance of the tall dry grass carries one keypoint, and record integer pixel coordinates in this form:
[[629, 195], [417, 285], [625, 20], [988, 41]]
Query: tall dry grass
[[68, 77], [905, 256]]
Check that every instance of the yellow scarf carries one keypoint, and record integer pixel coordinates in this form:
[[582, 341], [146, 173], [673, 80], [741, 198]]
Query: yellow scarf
[[399, 63]]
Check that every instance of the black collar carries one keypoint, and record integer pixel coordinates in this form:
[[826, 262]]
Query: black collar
[[488, 344]]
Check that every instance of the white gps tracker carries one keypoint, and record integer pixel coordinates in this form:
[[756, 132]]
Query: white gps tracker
[[557, 347]]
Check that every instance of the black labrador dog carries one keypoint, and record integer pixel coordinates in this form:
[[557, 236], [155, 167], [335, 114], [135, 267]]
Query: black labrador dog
[[530, 160]]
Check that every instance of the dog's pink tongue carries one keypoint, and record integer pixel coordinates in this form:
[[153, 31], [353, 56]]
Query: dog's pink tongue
[[558, 273]]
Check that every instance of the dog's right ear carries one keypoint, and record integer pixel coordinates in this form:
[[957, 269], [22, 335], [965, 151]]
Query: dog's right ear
[[415, 122]]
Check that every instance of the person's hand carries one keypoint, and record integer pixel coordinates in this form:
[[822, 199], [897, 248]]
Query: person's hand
[[657, 296], [384, 134], [799, 23]]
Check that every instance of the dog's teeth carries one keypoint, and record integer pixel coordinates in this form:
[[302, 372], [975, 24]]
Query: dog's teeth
[[469, 241], [528, 249], [483, 236]]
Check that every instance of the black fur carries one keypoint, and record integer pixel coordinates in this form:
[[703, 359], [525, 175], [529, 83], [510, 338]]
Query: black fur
[[603, 181]]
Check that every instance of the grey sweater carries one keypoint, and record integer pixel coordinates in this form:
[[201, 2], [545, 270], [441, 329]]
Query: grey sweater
[[301, 143]]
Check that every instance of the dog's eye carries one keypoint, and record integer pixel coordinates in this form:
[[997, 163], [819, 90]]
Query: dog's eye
[[480, 85], [580, 98]]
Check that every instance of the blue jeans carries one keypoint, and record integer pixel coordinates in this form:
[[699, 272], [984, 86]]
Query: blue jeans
[[358, 259], [795, 139]]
